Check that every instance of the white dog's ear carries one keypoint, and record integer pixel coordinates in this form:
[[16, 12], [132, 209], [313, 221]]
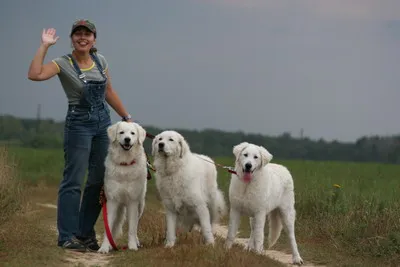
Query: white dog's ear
[[266, 157], [112, 131], [141, 134], [239, 148], [184, 146]]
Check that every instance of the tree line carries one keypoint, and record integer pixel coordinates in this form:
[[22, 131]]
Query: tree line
[[47, 133]]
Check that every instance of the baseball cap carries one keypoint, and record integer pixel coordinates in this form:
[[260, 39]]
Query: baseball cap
[[84, 23]]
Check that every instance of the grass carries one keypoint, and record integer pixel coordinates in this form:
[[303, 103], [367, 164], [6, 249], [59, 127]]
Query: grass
[[11, 189], [38, 165], [356, 223], [29, 238]]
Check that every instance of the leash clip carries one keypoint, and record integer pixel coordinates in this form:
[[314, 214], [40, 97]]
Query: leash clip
[[150, 166], [230, 169]]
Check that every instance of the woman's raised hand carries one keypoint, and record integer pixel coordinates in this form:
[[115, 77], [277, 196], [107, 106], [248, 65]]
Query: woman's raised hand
[[49, 37]]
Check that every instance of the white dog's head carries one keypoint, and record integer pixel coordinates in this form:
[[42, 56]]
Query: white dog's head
[[126, 134], [170, 144], [250, 158]]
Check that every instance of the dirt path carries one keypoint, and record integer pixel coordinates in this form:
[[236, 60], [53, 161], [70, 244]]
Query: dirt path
[[72, 258]]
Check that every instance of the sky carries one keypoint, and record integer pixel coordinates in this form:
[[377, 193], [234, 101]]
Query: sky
[[329, 67]]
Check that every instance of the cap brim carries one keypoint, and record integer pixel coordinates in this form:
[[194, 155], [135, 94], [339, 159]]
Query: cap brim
[[82, 26]]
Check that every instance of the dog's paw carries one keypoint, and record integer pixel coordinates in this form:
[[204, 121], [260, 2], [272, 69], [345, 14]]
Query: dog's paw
[[133, 243], [258, 250], [208, 238], [228, 245], [297, 260], [132, 246], [169, 244], [210, 244], [249, 246], [210, 241], [104, 249]]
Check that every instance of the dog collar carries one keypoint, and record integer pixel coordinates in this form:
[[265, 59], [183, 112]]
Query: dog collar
[[127, 164]]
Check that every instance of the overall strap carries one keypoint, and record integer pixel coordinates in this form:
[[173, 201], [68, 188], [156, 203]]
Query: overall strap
[[97, 61], [77, 69]]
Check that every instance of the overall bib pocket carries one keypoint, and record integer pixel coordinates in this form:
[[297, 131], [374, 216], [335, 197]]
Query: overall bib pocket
[[75, 115]]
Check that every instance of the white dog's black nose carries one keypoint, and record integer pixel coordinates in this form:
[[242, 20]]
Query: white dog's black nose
[[160, 145], [248, 166], [127, 140]]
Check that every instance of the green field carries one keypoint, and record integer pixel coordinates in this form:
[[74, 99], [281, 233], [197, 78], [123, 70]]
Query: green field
[[354, 223]]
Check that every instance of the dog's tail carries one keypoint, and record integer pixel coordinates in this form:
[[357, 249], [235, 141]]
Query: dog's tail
[[219, 209], [275, 227]]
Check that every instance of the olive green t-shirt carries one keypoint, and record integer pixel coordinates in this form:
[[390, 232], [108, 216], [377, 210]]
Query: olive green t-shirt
[[72, 85]]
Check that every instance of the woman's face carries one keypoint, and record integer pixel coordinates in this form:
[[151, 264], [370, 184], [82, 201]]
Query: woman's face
[[83, 40]]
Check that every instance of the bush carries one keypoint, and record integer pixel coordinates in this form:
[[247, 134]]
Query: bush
[[11, 193]]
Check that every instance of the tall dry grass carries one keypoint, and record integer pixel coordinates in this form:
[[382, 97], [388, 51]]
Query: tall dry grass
[[11, 188]]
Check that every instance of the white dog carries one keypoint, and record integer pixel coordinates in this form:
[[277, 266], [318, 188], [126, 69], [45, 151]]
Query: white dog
[[187, 184], [125, 181], [260, 189]]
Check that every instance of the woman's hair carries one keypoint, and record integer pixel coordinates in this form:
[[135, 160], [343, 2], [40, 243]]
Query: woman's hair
[[93, 50]]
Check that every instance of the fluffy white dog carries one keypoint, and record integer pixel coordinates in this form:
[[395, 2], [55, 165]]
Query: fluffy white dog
[[259, 189], [187, 184], [125, 181]]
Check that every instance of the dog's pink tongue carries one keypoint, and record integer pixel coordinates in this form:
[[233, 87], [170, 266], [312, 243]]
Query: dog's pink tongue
[[247, 177]]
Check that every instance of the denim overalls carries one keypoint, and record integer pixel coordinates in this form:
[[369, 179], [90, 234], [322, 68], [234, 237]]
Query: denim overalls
[[85, 148]]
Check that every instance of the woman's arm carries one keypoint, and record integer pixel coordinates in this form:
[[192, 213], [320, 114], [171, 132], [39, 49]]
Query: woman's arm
[[38, 71], [114, 101]]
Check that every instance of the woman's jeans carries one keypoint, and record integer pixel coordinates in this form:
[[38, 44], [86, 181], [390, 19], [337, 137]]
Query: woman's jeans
[[85, 148]]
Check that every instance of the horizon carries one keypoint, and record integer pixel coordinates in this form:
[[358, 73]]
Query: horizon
[[293, 136]]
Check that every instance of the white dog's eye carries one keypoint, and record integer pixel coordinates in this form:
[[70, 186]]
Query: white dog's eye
[[245, 155], [121, 132], [171, 139], [256, 157], [160, 138], [132, 133]]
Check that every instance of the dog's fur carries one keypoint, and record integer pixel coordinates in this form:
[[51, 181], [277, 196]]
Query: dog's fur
[[258, 190], [125, 181], [187, 184]]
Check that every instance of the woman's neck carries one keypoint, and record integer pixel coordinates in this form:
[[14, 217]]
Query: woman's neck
[[81, 57]]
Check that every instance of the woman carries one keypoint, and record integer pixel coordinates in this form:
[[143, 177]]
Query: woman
[[85, 79]]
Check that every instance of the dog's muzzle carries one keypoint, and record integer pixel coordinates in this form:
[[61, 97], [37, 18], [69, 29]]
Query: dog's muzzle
[[248, 168], [247, 172], [127, 144], [161, 147]]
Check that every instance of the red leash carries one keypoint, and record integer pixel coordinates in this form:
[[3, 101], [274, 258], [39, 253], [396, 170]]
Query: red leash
[[103, 203]]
